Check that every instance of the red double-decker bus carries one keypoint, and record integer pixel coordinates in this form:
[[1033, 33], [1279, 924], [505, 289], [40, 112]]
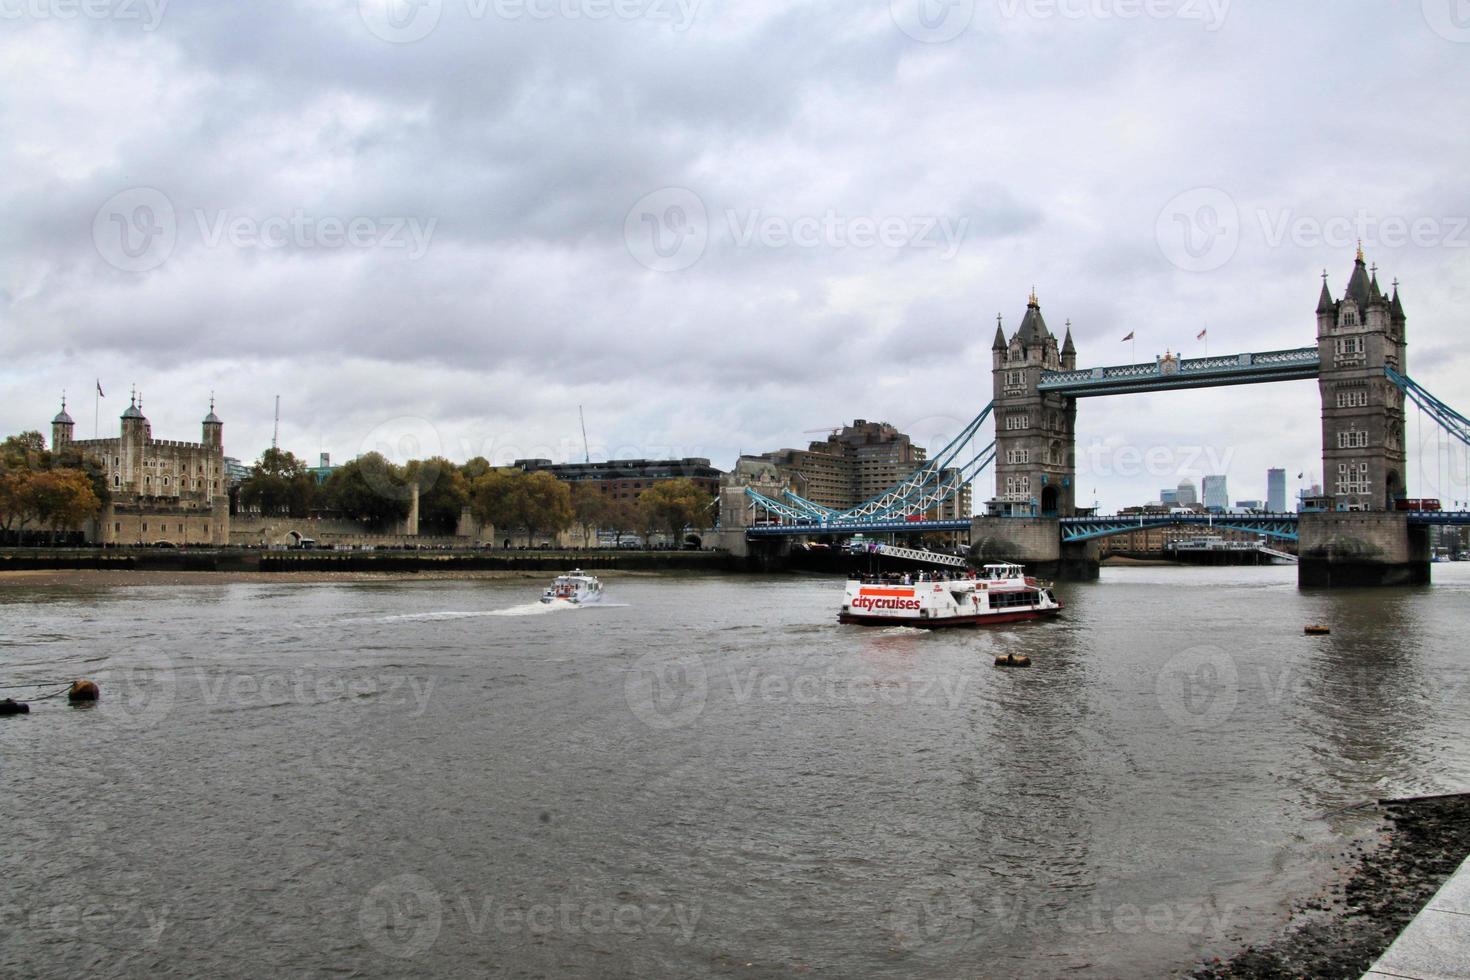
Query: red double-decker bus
[[1416, 503]]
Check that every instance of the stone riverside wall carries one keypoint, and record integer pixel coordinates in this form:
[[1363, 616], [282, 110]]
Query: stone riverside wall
[[247, 530]]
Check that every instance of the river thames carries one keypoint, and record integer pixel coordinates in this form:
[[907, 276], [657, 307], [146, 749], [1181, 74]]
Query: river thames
[[704, 776]]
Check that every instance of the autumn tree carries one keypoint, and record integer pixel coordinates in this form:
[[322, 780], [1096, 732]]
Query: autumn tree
[[674, 506], [590, 507], [62, 499], [475, 469], [369, 489], [279, 485], [16, 510], [621, 518], [511, 498], [548, 505], [57, 503], [493, 498], [23, 450]]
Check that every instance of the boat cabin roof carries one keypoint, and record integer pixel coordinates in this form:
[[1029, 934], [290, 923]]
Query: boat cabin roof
[[1004, 570]]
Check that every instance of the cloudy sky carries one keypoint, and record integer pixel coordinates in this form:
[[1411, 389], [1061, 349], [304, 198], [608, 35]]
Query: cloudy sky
[[442, 225]]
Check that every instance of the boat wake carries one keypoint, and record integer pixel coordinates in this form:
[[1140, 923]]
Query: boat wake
[[529, 609], [534, 609]]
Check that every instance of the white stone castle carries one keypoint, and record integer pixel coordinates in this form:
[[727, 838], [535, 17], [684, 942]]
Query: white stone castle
[[163, 491]]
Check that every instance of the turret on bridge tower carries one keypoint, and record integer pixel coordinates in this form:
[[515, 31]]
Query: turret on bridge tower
[[1035, 431]]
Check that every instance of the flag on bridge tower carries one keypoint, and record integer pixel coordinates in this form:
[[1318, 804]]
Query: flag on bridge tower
[[1129, 337], [100, 393], [1202, 334]]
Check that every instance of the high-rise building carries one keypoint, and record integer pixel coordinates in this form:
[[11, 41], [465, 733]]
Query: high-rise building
[[856, 463], [1276, 491], [1169, 498], [1217, 498], [1187, 494]]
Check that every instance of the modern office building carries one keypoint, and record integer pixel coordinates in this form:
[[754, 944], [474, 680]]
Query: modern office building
[[1187, 495], [1276, 491], [1217, 498]]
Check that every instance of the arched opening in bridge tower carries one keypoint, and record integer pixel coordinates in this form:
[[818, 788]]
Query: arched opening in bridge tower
[[1394, 486], [1049, 501]]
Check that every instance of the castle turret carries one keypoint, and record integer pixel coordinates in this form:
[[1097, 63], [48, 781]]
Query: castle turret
[[134, 424], [214, 429], [62, 427]]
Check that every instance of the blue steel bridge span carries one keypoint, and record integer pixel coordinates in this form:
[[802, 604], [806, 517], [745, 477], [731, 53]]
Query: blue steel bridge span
[[1282, 527], [1299, 364]]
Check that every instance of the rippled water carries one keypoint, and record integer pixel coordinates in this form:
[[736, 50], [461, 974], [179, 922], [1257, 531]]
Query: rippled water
[[707, 775]]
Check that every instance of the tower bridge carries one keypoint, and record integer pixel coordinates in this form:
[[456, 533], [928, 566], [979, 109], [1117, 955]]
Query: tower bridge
[[1357, 536]]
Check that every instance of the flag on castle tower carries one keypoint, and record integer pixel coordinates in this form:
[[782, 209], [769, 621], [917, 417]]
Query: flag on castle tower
[[99, 390], [1201, 334], [1127, 338]]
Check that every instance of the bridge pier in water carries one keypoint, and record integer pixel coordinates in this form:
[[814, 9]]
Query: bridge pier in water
[[1035, 542], [1347, 549]]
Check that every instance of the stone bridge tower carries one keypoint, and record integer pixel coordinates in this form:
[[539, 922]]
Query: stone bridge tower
[[1363, 452], [1035, 433]]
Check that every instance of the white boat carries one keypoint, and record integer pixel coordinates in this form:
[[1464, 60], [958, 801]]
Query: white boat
[[575, 587], [1001, 593]]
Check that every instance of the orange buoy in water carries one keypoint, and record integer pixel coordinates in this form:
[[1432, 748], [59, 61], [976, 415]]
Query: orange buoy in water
[[82, 691], [1013, 660], [1317, 631]]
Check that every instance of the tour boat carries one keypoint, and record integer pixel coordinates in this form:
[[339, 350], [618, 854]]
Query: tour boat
[[575, 587], [1001, 593]]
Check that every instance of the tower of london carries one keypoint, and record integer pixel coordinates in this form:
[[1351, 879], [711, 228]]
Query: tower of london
[[163, 490]]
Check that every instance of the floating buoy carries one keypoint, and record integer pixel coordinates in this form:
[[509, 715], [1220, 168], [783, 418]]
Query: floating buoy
[[1317, 631], [82, 691], [9, 707], [1013, 660]]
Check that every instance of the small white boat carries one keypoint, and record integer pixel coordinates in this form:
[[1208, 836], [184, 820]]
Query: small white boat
[[1002, 593], [575, 587]]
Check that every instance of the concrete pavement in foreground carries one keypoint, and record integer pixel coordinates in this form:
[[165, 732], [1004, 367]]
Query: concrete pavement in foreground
[[1436, 944]]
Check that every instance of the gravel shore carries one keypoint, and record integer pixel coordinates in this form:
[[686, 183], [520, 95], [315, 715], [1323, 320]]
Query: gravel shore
[[1389, 879]]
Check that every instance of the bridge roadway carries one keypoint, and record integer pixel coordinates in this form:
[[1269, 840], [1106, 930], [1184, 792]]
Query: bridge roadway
[[854, 527]]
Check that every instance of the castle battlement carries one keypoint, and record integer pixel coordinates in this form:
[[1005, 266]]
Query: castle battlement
[[178, 444]]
